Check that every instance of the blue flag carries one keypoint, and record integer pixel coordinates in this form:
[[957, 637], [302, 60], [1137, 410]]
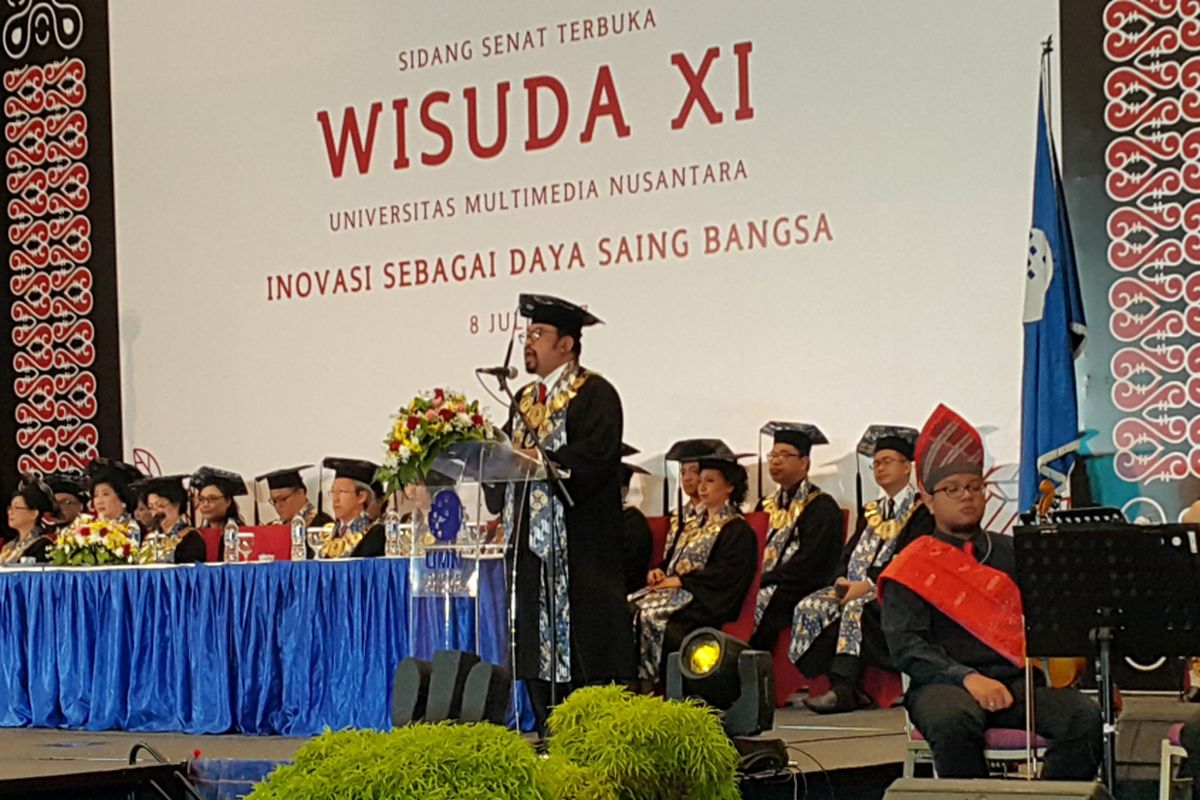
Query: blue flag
[[1055, 329]]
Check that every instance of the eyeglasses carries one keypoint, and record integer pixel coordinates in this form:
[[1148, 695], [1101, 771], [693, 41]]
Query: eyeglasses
[[533, 334], [780, 455], [206, 499], [956, 490], [278, 501], [886, 461], [15, 507]]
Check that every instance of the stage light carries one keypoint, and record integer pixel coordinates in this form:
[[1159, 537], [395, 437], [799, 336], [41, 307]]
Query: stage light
[[456, 686], [723, 672]]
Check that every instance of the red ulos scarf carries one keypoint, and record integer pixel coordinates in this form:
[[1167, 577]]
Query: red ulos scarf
[[985, 601]]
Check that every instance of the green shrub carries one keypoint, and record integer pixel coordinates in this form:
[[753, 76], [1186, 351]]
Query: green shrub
[[645, 748], [420, 762], [567, 781]]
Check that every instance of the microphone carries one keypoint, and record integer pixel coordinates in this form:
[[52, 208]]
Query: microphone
[[500, 372]]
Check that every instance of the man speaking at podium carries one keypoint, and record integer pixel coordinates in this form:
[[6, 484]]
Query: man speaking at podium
[[953, 622], [568, 558]]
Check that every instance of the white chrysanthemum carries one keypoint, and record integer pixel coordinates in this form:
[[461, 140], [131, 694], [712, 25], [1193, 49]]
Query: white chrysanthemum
[[405, 454]]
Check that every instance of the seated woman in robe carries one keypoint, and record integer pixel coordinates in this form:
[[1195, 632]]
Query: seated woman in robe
[[705, 574], [176, 541], [113, 497], [31, 512]]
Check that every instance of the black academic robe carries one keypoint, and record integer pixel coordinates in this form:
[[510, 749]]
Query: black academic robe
[[372, 543], [811, 567], [602, 646], [38, 549], [319, 520], [637, 548], [719, 588], [191, 548]]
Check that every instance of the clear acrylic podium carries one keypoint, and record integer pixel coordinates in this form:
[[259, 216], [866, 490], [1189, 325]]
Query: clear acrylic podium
[[457, 582]]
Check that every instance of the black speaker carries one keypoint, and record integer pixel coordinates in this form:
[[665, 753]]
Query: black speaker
[[754, 709], [951, 789], [485, 694], [450, 670], [410, 691]]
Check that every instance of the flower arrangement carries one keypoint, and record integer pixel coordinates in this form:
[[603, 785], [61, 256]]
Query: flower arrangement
[[93, 542], [423, 429]]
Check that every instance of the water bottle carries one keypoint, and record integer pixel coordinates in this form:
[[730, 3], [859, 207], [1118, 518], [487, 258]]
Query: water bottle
[[231, 542], [391, 532], [299, 533]]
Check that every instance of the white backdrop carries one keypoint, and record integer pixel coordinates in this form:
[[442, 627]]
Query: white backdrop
[[910, 127]]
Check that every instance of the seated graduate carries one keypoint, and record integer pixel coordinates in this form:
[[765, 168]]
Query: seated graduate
[[70, 493], [637, 542], [706, 573], [174, 541], [216, 492], [31, 513], [687, 453], [804, 543], [953, 622], [354, 534], [289, 497], [113, 497], [836, 630]]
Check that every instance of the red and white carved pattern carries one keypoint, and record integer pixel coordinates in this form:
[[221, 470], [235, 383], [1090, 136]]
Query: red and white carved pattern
[[51, 283], [1153, 163]]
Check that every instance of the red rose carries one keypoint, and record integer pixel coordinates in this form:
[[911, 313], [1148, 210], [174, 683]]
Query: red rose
[[128, 550], [439, 395], [413, 423], [394, 446], [476, 420], [447, 414]]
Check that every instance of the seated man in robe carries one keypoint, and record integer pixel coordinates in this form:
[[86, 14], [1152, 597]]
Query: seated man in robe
[[835, 630], [804, 543], [354, 487], [288, 495], [953, 622]]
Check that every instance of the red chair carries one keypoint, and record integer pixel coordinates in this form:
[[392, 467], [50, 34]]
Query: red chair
[[659, 528], [273, 540], [743, 626]]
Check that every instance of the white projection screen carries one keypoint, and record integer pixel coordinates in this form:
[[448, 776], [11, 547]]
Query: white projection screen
[[813, 211]]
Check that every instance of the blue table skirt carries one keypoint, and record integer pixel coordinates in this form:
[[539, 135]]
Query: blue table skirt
[[280, 648]]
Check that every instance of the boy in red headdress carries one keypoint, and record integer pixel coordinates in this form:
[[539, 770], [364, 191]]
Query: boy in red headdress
[[953, 622]]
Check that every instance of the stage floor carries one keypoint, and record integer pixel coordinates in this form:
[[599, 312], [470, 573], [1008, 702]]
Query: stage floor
[[838, 741]]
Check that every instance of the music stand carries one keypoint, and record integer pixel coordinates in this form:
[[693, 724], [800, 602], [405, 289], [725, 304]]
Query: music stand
[[1092, 587]]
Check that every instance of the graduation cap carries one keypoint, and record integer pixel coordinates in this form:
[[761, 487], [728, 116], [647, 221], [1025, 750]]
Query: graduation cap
[[562, 314], [230, 483], [882, 437], [111, 471], [168, 486], [726, 463], [73, 483], [289, 478], [800, 435], [629, 470], [948, 445], [356, 469], [116, 474], [689, 451], [32, 484]]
